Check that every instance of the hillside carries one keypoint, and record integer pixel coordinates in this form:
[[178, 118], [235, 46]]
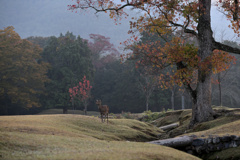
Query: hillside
[[80, 137]]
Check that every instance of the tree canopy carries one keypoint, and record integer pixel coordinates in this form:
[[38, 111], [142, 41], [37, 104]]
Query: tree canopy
[[22, 73]]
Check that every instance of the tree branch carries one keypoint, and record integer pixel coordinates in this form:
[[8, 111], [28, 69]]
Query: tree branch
[[224, 47], [188, 87]]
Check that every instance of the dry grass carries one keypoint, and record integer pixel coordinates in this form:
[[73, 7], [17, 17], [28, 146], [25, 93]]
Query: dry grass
[[79, 137]]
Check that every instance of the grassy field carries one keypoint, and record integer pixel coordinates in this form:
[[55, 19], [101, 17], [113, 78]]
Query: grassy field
[[80, 137]]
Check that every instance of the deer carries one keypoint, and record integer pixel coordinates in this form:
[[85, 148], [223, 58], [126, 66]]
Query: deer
[[103, 109]]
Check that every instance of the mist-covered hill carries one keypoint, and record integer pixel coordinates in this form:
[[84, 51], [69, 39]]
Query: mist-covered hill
[[52, 17]]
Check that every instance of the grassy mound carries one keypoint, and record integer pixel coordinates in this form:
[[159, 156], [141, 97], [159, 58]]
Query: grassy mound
[[79, 137]]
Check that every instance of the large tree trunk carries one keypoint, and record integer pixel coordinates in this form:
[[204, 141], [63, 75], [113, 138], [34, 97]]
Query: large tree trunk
[[202, 110]]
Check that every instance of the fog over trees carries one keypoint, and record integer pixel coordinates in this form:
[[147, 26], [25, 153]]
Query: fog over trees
[[52, 17]]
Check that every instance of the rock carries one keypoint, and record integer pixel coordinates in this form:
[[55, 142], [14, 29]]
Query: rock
[[237, 138], [225, 138], [208, 140], [193, 136], [216, 140], [194, 145], [233, 144], [198, 142], [220, 146], [226, 145]]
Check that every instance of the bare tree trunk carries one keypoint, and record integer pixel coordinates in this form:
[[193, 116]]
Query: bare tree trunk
[[85, 110], [85, 107], [73, 106], [172, 98], [183, 107], [220, 89], [65, 110], [147, 101]]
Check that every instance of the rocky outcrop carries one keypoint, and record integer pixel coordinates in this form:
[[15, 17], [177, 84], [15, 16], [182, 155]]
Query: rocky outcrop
[[198, 146], [212, 143]]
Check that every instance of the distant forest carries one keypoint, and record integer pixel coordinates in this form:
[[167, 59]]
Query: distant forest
[[61, 62]]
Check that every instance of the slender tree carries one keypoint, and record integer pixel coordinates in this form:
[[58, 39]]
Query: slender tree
[[81, 92], [147, 84]]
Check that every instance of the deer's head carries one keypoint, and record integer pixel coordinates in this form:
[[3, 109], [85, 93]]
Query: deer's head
[[98, 102]]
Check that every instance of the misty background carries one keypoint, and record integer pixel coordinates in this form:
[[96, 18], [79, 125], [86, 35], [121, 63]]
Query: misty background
[[52, 17]]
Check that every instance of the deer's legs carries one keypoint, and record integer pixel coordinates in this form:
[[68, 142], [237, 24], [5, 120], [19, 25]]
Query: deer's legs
[[102, 117], [107, 117]]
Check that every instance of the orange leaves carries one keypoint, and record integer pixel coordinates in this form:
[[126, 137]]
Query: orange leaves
[[232, 11], [221, 61], [179, 52]]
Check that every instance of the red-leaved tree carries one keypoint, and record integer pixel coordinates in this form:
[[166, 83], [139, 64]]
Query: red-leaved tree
[[102, 49], [81, 92]]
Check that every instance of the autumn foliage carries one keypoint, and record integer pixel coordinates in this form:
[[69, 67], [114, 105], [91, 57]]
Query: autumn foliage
[[231, 9], [103, 51], [22, 74], [81, 92], [182, 59]]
